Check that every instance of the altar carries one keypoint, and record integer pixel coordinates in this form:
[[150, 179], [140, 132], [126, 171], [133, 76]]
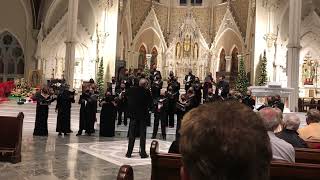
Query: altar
[[260, 93]]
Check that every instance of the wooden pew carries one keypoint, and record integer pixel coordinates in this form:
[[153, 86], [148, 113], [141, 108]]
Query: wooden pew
[[313, 144], [307, 155], [10, 138], [167, 166], [125, 173], [296, 171], [164, 165]]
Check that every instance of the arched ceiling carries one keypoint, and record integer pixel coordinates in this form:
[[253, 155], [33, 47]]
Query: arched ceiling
[[308, 6], [51, 11]]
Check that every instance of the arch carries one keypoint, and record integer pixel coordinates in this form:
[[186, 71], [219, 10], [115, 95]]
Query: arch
[[234, 59], [142, 57], [12, 55], [230, 39], [222, 61]]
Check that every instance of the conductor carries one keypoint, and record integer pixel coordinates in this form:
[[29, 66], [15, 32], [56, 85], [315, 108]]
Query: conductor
[[139, 101]]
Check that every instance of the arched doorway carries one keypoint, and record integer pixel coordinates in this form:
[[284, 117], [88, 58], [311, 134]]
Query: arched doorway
[[223, 62], [234, 60], [154, 56], [11, 58], [142, 57]]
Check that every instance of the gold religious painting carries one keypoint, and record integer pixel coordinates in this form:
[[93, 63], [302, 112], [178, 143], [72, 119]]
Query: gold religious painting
[[35, 78], [187, 46], [308, 70]]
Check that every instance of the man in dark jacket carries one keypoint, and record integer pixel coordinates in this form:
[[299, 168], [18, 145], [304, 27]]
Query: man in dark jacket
[[188, 80], [222, 87], [289, 132], [139, 101]]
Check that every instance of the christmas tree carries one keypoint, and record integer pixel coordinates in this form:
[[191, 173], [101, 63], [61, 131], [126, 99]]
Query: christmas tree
[[262, 79], [242, 82], [100, 81]]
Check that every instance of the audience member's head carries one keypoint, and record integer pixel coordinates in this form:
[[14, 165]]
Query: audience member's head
[[313, 116], [143, 82], [291, 122], [219, 145], [270, 118]]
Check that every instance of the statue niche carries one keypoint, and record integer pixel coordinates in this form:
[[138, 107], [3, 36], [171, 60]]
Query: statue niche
[[222, 63], [142, 57]]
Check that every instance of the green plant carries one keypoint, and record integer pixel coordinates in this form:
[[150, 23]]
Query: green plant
[[262, 79], [100, 78], [242, 81]]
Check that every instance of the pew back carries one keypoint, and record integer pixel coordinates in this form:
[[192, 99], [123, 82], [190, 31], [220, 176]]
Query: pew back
[[296, 171], [167, 166], [306, 155], [164, 166], [10, 138]]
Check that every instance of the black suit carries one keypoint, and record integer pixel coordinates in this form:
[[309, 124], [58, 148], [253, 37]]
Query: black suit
[[293, 138], [191, 79], [224, 86], [139, 101], [153, 74]]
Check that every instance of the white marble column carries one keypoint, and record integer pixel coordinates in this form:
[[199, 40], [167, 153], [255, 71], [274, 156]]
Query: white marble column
[[72, 22], [294, 52], [228, 63]]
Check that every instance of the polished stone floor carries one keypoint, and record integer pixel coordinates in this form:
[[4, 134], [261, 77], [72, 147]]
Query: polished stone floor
[[71, 157]]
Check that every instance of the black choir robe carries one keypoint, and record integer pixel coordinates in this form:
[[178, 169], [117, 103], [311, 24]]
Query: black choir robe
[[107, 117], [64, 101], [42, 110]]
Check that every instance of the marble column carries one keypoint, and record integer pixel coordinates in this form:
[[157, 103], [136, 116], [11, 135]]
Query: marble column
[[228, 63], [294, 52], [72, 22]]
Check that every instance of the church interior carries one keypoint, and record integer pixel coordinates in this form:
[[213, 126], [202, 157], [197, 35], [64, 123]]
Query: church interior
[[274, 45]]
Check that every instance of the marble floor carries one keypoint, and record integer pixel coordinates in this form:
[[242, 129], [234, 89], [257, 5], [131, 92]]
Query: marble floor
[[71, 157]]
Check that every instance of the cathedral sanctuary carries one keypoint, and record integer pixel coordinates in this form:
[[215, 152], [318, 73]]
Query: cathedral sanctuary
[[72, 74]]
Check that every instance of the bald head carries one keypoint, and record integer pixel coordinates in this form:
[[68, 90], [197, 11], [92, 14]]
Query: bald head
[[291, 122], [270, 118], [143, 82]]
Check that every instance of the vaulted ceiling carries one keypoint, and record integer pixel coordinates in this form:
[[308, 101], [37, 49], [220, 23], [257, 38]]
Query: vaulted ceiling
[[37, 12]]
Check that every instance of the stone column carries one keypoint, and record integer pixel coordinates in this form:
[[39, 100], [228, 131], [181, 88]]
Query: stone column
[[294, 52], [228, 63], [72, 22]]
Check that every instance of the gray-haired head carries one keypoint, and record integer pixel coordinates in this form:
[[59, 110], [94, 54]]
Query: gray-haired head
[[270, 118], [143, 82], [291, 122]]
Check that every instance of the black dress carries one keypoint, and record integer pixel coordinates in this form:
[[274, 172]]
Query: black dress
[[107, 117], [64, 101], [41, 123], [86, 108]]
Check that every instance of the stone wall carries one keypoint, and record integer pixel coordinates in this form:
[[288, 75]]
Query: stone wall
[[162, 15], [218, 15], [240, 13], [139, 11], [202, 17]]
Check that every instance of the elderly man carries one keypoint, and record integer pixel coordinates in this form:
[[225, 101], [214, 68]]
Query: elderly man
[[214, 149], [289, 132], [312, 130], [281, 150], [139, 101]]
